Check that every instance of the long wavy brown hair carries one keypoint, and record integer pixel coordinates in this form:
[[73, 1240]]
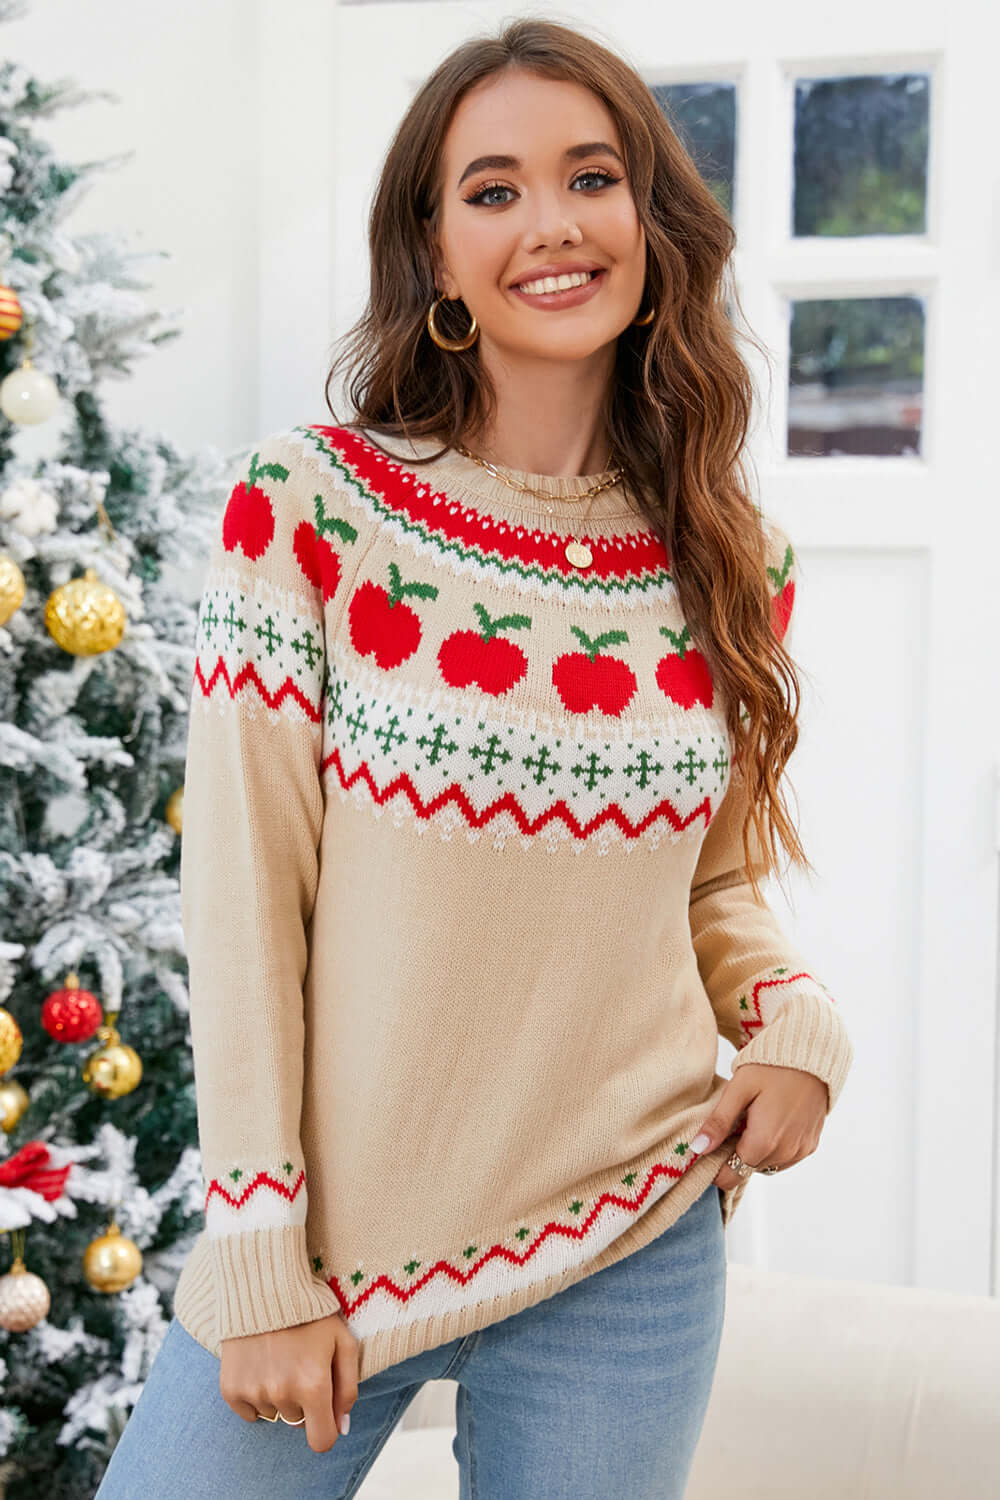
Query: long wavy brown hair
[[676, 411]]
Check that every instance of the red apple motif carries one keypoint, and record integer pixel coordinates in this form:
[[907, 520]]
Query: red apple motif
[[317, 559], [585, 679], [484, 657], [381, 625], [781, 609], [248, 521], [684, 676], [783, 601]]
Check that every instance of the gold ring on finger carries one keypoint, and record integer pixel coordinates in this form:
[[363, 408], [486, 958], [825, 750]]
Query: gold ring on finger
[[262, 1418], [743, 1168], [289, 1423]]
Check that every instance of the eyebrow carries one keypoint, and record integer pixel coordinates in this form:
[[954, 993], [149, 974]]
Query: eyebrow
[[572, 153]]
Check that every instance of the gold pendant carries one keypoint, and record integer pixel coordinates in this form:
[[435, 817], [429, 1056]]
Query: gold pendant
[[579, 554]]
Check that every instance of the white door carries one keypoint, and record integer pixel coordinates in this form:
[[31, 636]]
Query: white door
[[857, 148]]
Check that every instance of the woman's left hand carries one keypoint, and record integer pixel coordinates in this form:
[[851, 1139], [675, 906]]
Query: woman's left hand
[[785, 1111]]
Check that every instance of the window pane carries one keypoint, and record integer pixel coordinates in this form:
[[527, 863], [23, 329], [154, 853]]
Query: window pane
[[856, 368], [861, 155], [703, 116]]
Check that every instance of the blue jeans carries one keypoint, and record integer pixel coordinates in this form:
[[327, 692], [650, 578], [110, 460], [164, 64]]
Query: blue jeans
[[598, 1390]]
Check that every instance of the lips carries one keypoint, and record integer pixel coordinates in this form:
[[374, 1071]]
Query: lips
[[569, 297]]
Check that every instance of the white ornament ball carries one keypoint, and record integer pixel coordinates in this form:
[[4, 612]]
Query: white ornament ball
[[24, 1299], [28, 395]]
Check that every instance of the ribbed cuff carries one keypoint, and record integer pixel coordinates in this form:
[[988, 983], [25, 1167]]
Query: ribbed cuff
[[807, 1033], [263, 1281]]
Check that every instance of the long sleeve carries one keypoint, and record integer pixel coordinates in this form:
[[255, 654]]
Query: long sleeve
[[253, 813], [767, 1001]]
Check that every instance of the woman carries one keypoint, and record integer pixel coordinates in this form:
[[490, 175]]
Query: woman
[[489, 717]]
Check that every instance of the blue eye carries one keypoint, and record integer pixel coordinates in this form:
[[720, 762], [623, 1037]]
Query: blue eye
[[605, 179]]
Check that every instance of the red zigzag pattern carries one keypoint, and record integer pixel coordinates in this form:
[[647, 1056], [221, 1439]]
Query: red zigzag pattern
[[288, 688], [508, 802], [263, 1179]]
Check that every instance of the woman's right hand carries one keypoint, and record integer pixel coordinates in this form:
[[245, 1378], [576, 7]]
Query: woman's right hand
[[309, 1370]]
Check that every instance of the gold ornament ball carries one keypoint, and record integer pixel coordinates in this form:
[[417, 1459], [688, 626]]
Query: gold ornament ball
[[24, 1298], [11, 587], [13, 1102], [11, 312], [115, 1068], [85, 616], [11, 1041], [174, 813], [112, 1262]]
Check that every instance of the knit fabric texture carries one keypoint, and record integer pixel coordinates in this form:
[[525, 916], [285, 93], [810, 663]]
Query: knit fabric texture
[[464, 896]]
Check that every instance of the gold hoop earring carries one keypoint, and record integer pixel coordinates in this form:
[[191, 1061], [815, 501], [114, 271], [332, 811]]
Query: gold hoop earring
[[466, 343], [648, 317]]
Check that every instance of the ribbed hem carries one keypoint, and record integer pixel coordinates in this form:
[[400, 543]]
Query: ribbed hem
[[392, 1345], [807, 1033], [263, 1281], [196, 1295]]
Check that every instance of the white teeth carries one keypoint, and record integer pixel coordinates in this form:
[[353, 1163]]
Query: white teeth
[[555, 283]]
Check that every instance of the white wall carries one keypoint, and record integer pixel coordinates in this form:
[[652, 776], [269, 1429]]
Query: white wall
[[226, 109]]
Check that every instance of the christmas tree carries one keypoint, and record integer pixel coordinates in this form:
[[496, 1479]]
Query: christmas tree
[[100, 1176]]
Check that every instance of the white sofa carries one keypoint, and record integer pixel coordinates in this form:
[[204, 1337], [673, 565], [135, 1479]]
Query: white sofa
[[826, 1389]]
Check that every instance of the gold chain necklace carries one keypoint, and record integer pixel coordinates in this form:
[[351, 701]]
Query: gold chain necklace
[[595, 489]]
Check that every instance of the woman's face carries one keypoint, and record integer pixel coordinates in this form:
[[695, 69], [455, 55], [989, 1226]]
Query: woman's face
[[550, 204]]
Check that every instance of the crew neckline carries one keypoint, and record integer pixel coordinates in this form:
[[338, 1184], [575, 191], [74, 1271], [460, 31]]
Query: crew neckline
[[466, 479]]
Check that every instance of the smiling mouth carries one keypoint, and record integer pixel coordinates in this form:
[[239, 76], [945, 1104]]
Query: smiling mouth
[[519, 286], [567, 297]]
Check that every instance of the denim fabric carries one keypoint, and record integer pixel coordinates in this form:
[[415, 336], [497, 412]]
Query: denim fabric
[[599, 1391]]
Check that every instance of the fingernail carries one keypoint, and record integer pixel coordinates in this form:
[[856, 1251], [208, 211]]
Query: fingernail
[[699, 1143], [345, 1423]]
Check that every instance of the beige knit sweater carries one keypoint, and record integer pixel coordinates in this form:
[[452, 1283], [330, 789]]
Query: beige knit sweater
[[463, 897]]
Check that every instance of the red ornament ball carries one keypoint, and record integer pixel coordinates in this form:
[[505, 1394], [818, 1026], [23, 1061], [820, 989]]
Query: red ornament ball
[[71, 1014]]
